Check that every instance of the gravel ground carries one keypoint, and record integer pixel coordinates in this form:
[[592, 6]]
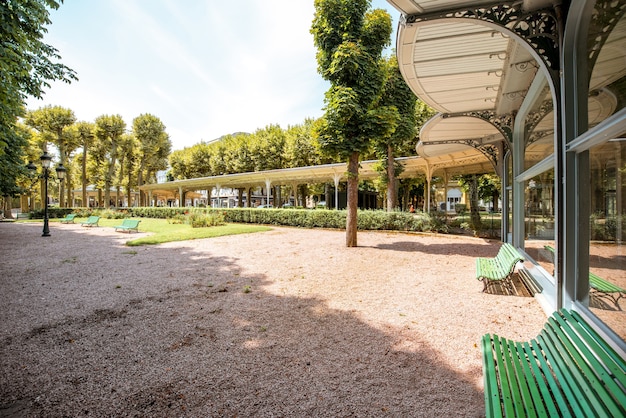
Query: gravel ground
[[288, 322]]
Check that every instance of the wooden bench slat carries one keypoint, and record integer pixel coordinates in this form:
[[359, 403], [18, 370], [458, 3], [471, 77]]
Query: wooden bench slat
[[591, 352], [529, 382], [544, 404], [559, 367], [582, 378], [492, 393], [556, 395], [507, 394], [615, 364], [601, 369], [567, 370], [524, 402]]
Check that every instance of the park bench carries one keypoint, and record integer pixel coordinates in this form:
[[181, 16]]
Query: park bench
[[91, 221], [601, 287], [568, 370], [500, 268], [69, 218], [129, 225]]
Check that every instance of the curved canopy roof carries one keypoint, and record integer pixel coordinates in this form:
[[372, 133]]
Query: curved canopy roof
[[413, 166], [469, 71]]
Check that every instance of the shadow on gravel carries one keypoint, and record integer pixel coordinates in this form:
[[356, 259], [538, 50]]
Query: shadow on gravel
[[480, 248], [99, 331]]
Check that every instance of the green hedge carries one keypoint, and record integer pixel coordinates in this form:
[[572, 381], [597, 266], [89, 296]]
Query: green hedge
[[304, 218]]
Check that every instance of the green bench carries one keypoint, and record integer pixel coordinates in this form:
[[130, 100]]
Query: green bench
[[129, 225], [500, 268], [568, 370], [68, 219], [599, 285], [91, 221]]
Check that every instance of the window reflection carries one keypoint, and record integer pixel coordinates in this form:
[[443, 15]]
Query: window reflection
[[607, 84], [539, 219], [607, 253]]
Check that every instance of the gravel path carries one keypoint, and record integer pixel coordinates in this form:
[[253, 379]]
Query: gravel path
[[282, 323]]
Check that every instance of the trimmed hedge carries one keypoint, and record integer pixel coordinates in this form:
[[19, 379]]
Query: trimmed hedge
[[303, 218]]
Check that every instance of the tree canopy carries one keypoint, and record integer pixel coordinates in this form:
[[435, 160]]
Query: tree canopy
[[350, 41], [27, 66]]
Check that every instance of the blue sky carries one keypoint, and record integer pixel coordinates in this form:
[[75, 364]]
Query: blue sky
[[206, 68]]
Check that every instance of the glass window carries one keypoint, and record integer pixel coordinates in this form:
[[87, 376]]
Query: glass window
[[539, 219], [540, 125], [607, 252], [607, 61]]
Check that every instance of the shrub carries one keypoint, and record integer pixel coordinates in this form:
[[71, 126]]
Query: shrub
[[202, 219]]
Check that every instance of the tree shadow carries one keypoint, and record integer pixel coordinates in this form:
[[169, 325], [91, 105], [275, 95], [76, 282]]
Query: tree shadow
[[196, 337], [456, 248]]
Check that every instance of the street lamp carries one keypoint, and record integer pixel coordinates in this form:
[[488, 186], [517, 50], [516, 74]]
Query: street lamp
[[46, 159]]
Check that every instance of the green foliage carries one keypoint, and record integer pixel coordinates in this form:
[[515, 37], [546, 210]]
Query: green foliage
[[152, 146], [350, 42], [203, 219], [26, 63]]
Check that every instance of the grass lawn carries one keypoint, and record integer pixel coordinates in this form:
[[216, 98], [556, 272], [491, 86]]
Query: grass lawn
[[162, 231]]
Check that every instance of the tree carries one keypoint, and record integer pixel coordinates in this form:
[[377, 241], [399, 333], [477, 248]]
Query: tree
[[396, 94], [54, 123], [13, 167], [350, 41], [489, 189], [84, 133], [154, 146], [109, 130], [127, 166], [26, 68], [469, 182]]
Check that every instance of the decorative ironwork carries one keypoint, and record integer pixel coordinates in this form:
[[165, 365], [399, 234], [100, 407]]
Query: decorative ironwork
[[537, 28], [536, 136], [606, 14], [524, 66], [503, 123], [533, 118], [490, 150], [514, 95]]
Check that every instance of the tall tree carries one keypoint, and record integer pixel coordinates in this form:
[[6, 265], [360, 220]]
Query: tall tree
[[13, 167], [26, 63], [154, 146], [54, 122], [26, 68], [396, 94], [84, 133], [109, 130], [350, 41]]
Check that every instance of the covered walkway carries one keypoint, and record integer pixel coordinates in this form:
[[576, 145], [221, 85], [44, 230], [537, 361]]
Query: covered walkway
[[328, 173], [539, 89]]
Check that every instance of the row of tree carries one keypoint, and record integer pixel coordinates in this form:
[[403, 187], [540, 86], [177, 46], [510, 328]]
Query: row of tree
[[103, 153]]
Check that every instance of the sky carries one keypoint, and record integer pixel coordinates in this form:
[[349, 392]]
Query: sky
[[205, 68]]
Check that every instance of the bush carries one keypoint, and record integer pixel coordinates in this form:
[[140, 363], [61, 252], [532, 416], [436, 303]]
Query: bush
[[297, 217], [202, 219]]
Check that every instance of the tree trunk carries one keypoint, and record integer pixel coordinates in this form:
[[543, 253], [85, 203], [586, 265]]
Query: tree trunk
[[353, 200], [84, 177], [142, 198], [474, 214], [6, 207], [392, 191], [108, 181]]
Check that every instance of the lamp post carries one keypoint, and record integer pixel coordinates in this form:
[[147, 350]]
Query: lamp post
[[46, 159]]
